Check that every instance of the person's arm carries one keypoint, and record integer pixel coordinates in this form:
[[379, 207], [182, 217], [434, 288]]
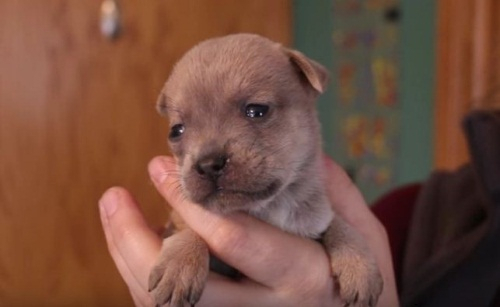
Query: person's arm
[[281, 269]]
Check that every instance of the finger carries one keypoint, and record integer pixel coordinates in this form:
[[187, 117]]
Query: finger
[[348, 201], [132, 244], [140, 300], [138, 293], [346, 198], [257, 249], [223, 292]]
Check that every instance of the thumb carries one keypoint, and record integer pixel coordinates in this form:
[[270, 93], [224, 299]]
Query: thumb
[[133, 246], [255, 248]]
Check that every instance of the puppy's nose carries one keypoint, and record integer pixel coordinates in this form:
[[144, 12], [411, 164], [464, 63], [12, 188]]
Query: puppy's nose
[[212, 166]]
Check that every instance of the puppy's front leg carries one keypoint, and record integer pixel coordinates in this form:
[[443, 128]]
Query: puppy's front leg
[[353, 266], [181, 271]]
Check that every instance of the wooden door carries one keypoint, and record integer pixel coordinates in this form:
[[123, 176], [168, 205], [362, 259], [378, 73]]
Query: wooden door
[[76, 117], [468, 72]]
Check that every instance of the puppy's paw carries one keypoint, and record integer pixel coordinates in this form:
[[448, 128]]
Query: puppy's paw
[[180, 273], [358, 279]]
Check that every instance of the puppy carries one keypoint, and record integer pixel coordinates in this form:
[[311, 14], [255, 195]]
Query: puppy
[[245, 134]]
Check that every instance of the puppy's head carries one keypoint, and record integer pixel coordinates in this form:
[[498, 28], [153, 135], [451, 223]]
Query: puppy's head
[[242, 117]]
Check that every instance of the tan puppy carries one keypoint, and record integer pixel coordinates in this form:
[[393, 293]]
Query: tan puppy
[[246, 137]]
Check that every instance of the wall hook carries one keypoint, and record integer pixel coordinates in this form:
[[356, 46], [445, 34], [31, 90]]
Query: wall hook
[[110, 19]]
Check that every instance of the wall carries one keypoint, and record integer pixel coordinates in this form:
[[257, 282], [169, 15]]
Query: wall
[[77, 116], [313, 26]]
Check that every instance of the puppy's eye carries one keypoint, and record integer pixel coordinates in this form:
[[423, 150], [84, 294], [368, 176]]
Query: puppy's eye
[[256, 110], [176, 131]]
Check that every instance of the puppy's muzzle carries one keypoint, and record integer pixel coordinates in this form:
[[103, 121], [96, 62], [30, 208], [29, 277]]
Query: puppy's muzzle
[[212, 166]]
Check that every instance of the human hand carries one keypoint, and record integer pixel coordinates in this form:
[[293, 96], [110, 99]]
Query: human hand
[[281, 269]]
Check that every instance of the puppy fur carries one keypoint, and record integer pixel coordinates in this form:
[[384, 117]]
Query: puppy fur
[[246, 137]]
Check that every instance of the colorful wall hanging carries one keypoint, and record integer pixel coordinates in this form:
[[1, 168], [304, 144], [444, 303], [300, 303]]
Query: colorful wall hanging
[[366, 78]]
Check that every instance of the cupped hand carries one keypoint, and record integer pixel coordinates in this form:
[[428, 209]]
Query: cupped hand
[[280, 269]]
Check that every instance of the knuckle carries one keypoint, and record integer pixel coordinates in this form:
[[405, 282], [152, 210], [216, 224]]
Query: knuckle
[[228, 237], [380, 229], [123, 234], [313, 279]]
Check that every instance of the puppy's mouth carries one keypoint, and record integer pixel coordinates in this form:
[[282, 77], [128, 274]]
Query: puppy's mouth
[[230, 198], [253, 195]]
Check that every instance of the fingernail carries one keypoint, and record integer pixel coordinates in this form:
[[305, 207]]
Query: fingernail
[[109, 202], [158, 169]]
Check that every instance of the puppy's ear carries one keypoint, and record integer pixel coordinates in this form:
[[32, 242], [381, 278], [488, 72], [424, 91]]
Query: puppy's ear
[[315, 73], [161, 104]]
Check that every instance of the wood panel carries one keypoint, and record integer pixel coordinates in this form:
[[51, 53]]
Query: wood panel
[[468, 72], [453, 81], [493, 89], [76, 117]]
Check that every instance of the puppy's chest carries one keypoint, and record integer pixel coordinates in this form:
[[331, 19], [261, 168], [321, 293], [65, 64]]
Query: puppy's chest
[[296, 217]]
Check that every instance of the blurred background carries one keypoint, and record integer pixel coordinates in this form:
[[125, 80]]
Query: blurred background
[[79, 80]]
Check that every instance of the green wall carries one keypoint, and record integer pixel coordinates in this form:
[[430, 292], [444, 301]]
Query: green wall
[[313, 36], [417, 89]]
